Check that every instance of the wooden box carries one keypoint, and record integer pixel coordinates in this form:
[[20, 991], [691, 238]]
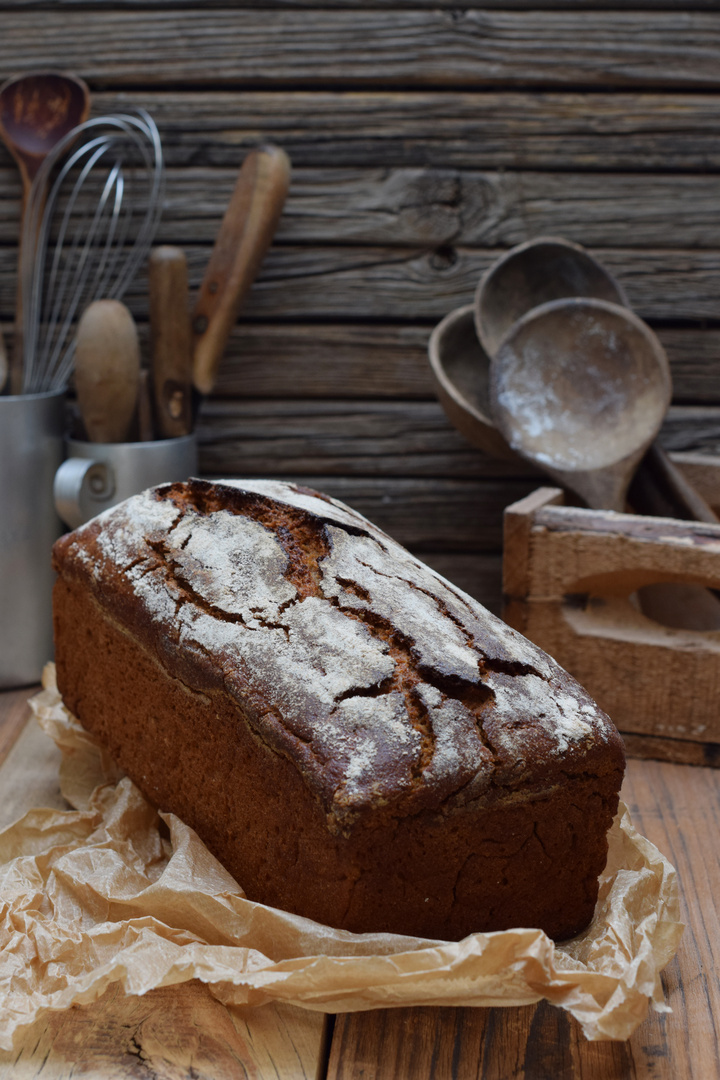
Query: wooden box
[[622, 603]]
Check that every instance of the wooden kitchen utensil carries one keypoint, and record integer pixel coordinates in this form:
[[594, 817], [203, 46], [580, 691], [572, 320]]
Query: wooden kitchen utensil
[[580, 388], [534, 273], [460, 368], [37, 110], [171, 333], [245, 235], [107, 370]]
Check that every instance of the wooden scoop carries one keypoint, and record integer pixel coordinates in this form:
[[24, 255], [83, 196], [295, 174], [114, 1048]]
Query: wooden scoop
[[36, 111], [534, 273], [580, 388], [107, 370], [245, 235], [460, 368]]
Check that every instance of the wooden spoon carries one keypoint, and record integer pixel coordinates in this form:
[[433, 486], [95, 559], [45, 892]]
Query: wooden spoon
[[245, 235], [534, 273], [36, 111], [107, 370], [460, 368], [580, 387]]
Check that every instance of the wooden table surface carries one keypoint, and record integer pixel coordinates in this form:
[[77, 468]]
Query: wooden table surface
[[184, 1034]]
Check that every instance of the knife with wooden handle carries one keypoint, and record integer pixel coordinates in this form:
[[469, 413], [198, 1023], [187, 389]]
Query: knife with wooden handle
[[245, 235], [107, 370], [172, 346]]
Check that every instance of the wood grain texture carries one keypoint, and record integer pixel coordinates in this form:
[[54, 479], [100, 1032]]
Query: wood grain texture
[[676, 807], [470, 127], [356, 360], [436, 206], [332, 283], [14, 717], [481, 129], [361, 360], [504, 5], [421, 47], [356, 437], [29, 773], [173, 1033]]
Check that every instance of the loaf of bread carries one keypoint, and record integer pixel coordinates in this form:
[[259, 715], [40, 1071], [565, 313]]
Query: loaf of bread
[[355, 739]]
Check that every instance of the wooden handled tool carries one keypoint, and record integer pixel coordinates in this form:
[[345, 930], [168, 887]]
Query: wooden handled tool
[[107, 370], [37, 110], [245, 235], [172, 350]]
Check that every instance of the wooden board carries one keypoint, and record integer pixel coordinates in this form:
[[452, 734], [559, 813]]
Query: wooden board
[[420, 284], [375, 47], [182, 1033], [441, 206]]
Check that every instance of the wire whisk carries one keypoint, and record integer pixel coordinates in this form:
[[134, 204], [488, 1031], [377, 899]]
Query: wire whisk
[[85, 235]]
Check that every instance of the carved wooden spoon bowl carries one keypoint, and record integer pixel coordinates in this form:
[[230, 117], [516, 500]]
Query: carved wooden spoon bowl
[[534, 273], [37, 110], [460, 369], [580, 388]]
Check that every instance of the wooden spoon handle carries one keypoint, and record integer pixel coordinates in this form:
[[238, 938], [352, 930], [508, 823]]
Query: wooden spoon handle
[[659, 488], [245, 235], [107, 370], [172, 355]]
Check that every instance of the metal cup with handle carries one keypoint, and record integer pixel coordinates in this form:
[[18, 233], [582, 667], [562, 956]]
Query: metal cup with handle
[[96, 476]]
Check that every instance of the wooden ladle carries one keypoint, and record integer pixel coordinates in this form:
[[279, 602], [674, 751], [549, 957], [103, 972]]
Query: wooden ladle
[[36, 111], [534, 273], [580, 387], [460, 368]]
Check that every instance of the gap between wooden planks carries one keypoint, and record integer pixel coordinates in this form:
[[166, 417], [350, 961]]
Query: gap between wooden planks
[[183, 1032]]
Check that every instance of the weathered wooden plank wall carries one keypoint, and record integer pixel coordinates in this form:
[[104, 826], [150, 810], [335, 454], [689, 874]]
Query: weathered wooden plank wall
[[425, 140]]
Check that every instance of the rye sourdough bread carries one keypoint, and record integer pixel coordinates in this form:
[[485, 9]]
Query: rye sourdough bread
[[353, 737]]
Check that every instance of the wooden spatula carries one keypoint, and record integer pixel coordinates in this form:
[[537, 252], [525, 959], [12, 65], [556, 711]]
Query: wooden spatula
[[245, 235], [107, 370]]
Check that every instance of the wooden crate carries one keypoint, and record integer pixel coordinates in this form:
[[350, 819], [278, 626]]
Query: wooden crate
[[581, 584]]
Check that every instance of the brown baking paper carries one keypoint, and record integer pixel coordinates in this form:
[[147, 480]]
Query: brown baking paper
[[107, 893]]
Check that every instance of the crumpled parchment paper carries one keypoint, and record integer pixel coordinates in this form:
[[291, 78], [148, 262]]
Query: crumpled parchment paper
[[113, 891]]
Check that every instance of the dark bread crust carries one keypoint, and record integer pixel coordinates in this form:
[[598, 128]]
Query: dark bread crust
[[401, 795]]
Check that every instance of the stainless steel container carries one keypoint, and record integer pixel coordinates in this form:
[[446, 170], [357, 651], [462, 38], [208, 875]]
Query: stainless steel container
[[96, 476], [31, 450]]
